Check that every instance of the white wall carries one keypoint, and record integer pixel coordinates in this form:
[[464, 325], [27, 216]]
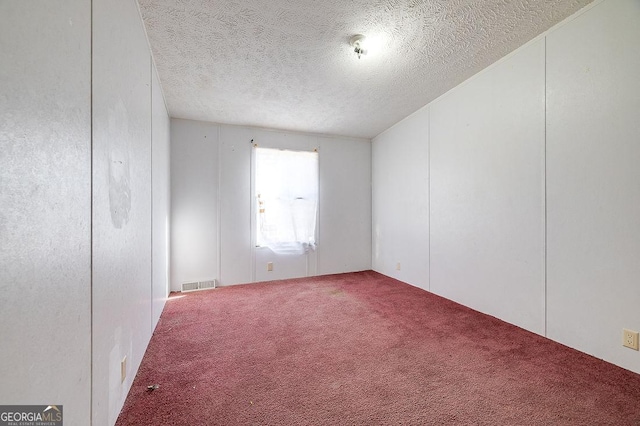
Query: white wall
[[534, 202], [45, 205], [235, 205], [487, 191], [401, 200], [593, 180], [344, 238], [212, 176], [194, 209], [121, 269], [130, 202], [161, 205], [76, 204], [459, 193]]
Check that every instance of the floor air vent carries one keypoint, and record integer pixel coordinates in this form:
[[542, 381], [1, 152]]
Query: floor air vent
[[199, 285], [203, 285]]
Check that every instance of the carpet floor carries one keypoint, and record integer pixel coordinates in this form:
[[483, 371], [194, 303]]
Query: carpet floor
[[362, 349]]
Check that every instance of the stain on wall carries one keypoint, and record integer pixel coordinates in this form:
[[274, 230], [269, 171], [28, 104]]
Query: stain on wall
[[119, 165]]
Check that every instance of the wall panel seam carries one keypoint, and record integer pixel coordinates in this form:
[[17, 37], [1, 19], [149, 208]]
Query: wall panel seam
[[544, 177], [91, 212]]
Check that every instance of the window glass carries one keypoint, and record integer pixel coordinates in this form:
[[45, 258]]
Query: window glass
[[286, 191]]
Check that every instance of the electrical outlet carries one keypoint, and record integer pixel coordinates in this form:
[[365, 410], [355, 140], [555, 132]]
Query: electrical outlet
[[630, 339], [398, 266], [123, 369], [269, 266]]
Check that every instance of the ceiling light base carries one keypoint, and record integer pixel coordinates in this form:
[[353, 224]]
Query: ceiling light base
[[357, 41]]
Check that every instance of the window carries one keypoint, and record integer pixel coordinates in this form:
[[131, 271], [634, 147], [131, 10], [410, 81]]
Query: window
[[286, 191]]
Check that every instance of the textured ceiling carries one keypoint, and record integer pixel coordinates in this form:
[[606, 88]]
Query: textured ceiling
[[288, 64]]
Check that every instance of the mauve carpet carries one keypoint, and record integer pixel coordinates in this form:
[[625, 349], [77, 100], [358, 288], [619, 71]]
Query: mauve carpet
[[362, 349]]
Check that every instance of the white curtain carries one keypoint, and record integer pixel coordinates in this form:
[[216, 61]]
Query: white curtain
[[286, 191]]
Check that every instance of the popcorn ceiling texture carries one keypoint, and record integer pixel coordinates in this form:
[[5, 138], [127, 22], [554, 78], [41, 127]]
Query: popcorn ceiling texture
[[288, 64]]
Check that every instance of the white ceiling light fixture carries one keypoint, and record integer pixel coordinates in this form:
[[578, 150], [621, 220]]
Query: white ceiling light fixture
[[357, 42]]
